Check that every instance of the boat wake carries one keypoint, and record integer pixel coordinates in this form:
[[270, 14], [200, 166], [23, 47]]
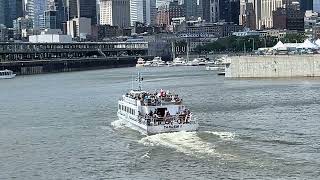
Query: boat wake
[[188, 143], [228, 136], [119, 124]]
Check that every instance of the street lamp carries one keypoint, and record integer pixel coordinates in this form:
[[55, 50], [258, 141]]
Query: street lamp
[[265, 42], [252, 43]]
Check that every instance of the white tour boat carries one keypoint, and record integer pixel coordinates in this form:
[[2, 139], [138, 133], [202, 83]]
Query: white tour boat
[[6, 74], [140, 62], [153, 113]]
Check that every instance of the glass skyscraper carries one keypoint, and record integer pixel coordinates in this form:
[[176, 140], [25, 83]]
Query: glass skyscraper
[[316, 6], [35, 10], [142, 11], [2, 17], [83, 8], [306, 5], [9, 11]]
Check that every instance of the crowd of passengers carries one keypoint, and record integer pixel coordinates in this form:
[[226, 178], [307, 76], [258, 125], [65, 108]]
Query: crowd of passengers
[[155, 99], [157, 118]]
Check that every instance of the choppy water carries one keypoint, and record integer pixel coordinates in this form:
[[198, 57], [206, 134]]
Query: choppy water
[[64, 126]]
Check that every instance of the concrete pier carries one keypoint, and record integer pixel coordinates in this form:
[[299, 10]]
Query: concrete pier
[[273, 66]]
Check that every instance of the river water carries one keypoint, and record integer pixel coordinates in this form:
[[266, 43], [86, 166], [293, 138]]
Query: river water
[[64, 126]]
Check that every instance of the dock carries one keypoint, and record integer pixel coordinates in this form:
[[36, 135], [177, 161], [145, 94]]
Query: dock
[[37, 58], [273, 66]]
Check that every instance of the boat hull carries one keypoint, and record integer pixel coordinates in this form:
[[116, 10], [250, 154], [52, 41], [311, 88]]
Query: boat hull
[[166, 128], [8, 77]]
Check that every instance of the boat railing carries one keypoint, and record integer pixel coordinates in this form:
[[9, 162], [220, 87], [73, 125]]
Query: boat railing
[[156, 120]]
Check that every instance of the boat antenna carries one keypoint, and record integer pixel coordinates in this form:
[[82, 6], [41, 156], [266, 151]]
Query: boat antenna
[[131, 81], [139, 79]]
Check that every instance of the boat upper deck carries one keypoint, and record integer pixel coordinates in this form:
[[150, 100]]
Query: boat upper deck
[[6, 72], [152, 99]]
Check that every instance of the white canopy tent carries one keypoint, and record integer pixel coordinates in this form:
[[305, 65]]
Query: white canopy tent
[[279, 46], [307, 44], [317, 42]]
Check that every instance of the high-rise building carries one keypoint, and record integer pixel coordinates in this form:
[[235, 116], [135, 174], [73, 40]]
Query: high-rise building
[[247, 16], [10, 10], [210, 10], [22, 27], [60, 14], [229, 10], [82, 8], [79, 27], [316, 6], [290, 18], [35, 10], [306, 5], [160, 3], [51, 19], [190, 10], [2, 17], [151, 12], [264, 9], [115, 12], [142, 11], [175, 10]]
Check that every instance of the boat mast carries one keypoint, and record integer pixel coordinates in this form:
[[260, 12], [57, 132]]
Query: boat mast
[[139, 79]]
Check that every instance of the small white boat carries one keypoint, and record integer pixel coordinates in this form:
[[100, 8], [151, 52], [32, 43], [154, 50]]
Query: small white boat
[[202, 62], [215, 67], [147, 64], [195, 62], [6, 74], [179, 62], [169, 63], [153, 113], [157, 62], [140, 62]]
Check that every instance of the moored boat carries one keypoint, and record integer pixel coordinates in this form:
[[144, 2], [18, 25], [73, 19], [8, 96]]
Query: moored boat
[[179, 62], [7, 74], [140, 62], [157, 62]]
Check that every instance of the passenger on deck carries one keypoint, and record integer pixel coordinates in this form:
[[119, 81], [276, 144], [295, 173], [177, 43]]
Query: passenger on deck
[[167, 113]]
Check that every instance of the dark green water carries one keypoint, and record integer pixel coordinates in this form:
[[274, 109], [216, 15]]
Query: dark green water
[[64, 126]]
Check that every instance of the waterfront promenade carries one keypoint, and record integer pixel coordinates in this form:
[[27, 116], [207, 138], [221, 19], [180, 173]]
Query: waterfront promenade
[[37, 58]]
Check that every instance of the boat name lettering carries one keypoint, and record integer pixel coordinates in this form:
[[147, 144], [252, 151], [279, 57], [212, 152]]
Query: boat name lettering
[[173, 126]]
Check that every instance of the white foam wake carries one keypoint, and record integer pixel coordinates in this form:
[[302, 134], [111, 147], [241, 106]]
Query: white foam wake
[[223, 135], [119, 124], [186, 142]]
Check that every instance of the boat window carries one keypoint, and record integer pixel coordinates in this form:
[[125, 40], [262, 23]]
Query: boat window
[[161, 111]]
